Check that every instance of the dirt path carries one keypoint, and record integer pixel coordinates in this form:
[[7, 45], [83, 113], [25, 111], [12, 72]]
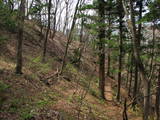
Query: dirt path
[[102, 110], [117, 110]]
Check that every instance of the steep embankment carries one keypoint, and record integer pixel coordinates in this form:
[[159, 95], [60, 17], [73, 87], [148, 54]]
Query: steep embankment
[[40, 93]]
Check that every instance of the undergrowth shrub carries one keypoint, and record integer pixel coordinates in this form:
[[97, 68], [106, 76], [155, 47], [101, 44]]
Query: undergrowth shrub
[[26, 113], [75, 57], [3, 88], [70, 71], [70, 68], [95, 93], [3, 39], [38, 66], [65, 115], [15, 104]]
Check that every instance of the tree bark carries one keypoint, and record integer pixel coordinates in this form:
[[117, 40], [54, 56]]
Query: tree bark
[[139, 62], [20, 37], [139, 41], [82, 42], [69, 37], [109, 50], [128, 70], [47, 32], [158, 97], [101, 37], [131, 76], [108, 63], [120, 49], [66, 16], [135, 84], [125, 116], [55, 19]]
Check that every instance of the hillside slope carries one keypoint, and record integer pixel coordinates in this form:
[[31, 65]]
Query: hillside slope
[[41, 93]]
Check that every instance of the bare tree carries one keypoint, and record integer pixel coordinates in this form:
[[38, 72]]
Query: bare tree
[[69, 37], [60, 21], [56, 5], [66, 16]]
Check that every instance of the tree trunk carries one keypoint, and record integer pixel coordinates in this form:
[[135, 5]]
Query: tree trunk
[[109, 50], [101, 48], [108, 62], [69, 37], [11, 5], [120, 50], [131, 76], [135, 85], [128, 70], [139, 63], [82, 42], [20, 37], [139, 41], [55, 19], [28, 11], [47, 32], [66, 16], [158, 97], [125, 116]]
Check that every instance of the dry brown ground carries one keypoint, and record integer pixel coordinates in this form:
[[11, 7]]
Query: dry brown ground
[[29, 93]]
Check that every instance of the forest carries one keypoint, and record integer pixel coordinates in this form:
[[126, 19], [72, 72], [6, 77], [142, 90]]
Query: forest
[[79, 59]]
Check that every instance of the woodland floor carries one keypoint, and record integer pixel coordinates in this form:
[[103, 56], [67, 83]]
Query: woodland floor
[[33, 96]]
